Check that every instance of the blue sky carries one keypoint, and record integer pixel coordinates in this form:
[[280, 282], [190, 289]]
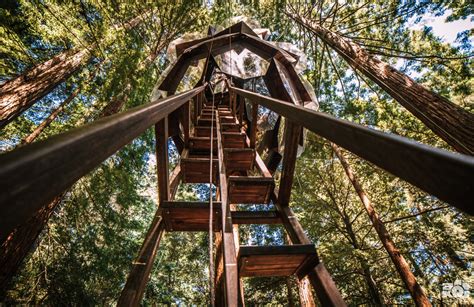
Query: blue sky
[[446, 30]]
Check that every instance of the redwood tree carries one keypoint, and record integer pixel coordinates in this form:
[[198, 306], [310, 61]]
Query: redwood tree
[[398, 260], [450, 122]]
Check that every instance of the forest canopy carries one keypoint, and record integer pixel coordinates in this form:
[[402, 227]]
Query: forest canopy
[[70, 63]]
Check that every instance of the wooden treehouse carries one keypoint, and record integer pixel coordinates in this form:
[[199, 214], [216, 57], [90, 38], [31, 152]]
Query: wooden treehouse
[[216, 135]]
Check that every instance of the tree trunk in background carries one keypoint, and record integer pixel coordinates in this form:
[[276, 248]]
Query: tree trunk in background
[[375, 295], [20, 243], [401, 265], [449, 121], [33, 135], [305, 294], [19, 94]]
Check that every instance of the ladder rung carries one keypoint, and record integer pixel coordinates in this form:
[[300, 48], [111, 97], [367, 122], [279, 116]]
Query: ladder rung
[[283, 260], [255, 217]]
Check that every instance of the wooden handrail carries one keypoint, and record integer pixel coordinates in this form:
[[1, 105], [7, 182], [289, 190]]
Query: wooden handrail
[[31, 176], [443, 174]]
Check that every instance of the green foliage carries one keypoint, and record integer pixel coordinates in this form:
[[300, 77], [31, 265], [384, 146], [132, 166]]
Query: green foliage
[[85, 253]]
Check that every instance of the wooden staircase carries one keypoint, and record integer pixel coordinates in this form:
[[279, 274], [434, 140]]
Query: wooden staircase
[[238, 159]]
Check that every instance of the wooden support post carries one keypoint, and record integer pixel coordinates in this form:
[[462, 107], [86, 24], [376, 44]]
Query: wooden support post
[[134, 288], [230, 258], [137, 279], [196, 107], [292, 134], [443, 174], [253, 127], [241, 101], [185, 122], [320, 278], [233, 99], [161, 134]]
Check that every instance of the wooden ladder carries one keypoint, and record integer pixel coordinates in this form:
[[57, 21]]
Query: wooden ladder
[[242, 178]]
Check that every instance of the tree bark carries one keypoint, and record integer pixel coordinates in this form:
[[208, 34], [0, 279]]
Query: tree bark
[[20, 242], [19, 94], [450, 122], [374, 293], [33, 135], [305, 294], [399, 261]]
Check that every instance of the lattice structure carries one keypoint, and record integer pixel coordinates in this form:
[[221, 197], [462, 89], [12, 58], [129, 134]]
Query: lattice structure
[[35, 174]]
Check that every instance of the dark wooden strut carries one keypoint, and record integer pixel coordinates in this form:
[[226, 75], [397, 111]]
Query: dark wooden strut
[[134, 288], [443, 174], [231, 276], [31, 176]]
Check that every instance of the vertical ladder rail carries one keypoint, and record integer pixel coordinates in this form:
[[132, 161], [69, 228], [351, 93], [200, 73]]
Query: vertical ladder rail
[[137, 279], [228, 244]]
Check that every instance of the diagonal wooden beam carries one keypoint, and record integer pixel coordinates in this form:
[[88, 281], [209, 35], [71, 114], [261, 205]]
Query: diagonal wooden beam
[[443, 174], [139, 274], [228, 244], [33, 175]]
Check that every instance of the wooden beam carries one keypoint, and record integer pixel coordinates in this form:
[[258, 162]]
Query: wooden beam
[[33, 175], [134, 288], [320, 279], [255, 217], [443, 174], [253, 127], [230, 258], [292, 134], [161, 134], [185, 122]]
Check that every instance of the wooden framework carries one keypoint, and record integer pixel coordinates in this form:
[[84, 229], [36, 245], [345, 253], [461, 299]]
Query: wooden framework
[[29, 176]]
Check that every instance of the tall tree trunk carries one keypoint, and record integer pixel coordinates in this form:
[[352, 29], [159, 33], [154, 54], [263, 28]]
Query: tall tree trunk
[[305, 294], [375, 295], [449, 121], [399, 261], [33, 135], [20, 93], [291, 301], [20, 242]]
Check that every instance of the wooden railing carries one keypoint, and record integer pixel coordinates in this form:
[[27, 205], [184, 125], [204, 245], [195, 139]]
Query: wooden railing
[[448, 176], [31, 176]]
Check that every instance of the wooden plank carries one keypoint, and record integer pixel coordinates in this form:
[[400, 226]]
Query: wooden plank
[[233, 139], [190, 216], [161, 136], [230, 127], [250, 190], [196, 168], [185, 122], [253, 126], [284, 260], [200, 131], [292, 134], [229, 255], [201, 144], [443, 174], [239, 159], [27, 185], [255, 217]]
